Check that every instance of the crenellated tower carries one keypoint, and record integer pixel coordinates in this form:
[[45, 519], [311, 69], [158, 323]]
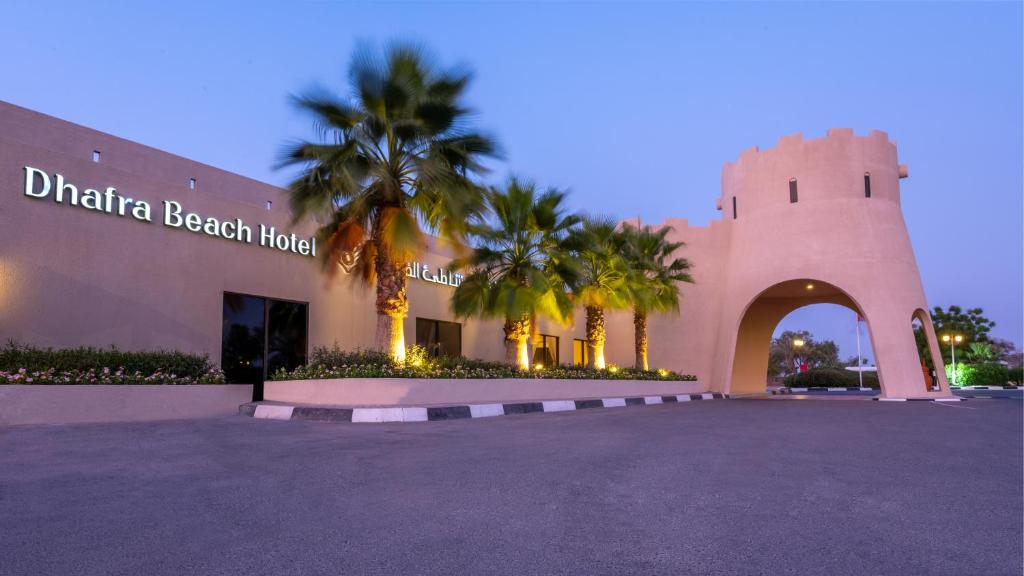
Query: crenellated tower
[[805, 222]]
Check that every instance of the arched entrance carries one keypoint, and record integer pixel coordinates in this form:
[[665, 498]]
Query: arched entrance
[[754, 334], [891, 336]]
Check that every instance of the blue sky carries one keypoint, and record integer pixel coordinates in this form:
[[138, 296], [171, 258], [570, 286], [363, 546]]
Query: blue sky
[[634, 107]]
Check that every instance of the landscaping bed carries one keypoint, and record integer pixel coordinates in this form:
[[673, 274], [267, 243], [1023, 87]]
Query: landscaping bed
[[334, 363], [23, 365], [78, 385]]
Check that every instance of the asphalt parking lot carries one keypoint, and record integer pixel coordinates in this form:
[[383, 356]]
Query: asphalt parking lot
[[719, 487]]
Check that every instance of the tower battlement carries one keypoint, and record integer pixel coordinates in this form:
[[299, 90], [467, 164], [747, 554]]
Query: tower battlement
[[841, 165]]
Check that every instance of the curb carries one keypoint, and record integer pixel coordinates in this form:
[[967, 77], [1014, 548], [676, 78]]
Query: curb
[[920, 399], [985, 387], [436, 413], [822, 389]]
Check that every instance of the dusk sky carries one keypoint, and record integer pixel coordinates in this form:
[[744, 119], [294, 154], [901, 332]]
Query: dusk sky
[[633, 107]]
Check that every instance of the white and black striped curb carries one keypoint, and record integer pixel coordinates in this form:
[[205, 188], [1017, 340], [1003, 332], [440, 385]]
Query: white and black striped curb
[[985, 387], [920, 399], [822, 389], [435, 413]]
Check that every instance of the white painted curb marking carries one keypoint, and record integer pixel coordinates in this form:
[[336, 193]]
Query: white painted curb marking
[[485, 410], [272, 412], [559, 405], [613, 402]]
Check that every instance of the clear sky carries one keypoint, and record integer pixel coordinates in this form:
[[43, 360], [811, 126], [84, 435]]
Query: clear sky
[[634, 107]]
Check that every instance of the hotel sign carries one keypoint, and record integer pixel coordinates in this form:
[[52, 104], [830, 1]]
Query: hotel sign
[[416, 270], [442, 276], [39, 185]]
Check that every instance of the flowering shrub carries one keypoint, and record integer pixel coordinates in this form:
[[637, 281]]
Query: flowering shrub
[[29, 365], [336, 363]]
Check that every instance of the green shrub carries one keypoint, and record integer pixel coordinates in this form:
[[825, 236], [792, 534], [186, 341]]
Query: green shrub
[[20, 364], [337, 363], [830, 378], [978, 374], [1016, 375]]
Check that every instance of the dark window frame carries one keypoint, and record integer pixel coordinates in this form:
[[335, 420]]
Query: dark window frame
[[867, 184], [733, 207], [544, 338], [437, 330], [584, 352], [793, 197], [267, 303]]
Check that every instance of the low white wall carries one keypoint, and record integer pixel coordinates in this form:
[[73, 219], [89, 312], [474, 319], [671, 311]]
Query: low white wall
[[71, 404], [433, 392]]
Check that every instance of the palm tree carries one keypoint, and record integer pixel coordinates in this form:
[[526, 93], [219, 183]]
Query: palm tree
[[653, 279], [598, 247], [393, 159], [520, 266]]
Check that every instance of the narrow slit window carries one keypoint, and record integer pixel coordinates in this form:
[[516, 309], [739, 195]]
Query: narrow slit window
[[96, 156], [867, 184], [733, 207], [269, 205], [191, 183], [792, 191]]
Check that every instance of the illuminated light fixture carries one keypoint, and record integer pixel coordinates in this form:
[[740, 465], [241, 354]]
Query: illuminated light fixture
[[538, 366], [810, 286], [798, 343], [613, 369], [662, 372], [953, 340]]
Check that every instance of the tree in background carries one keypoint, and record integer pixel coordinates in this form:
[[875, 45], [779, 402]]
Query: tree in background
[[598, 248], [520, 267], [971, 324], [395, 156], [654, 277], [785, 358]]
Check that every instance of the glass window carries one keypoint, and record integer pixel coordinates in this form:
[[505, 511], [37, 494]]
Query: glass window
[[792, 190], [545, 351], [260, 336], [286, 335], [579, 352], [733, 207], [867, 184], [440, 338], [242, 344]]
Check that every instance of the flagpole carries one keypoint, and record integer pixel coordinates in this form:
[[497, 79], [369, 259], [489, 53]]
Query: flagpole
[[860, 363]]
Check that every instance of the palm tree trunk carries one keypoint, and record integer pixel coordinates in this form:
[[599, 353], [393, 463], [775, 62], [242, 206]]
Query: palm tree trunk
[[392, 302], [596, 336], [517, 336], [640, 339]]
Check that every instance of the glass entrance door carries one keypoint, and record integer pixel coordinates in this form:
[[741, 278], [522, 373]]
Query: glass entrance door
[[260, 336]]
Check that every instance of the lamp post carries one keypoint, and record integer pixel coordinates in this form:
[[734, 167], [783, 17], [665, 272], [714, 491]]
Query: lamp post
[[953, 340], [798, 343]]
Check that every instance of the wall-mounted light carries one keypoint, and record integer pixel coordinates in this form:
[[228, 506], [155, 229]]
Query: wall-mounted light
[[810, 286]]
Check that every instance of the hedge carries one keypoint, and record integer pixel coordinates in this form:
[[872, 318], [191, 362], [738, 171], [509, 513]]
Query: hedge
[[20, 364], [336, 363], [978, 374], [1016, 375], [830, 378]]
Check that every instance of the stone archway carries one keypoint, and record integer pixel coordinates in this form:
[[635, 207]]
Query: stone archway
[[754, 333], [889, 331]]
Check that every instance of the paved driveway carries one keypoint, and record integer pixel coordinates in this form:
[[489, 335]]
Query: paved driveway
[[721, 487]]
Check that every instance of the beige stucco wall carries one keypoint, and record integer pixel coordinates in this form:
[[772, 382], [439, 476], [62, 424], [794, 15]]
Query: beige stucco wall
[[70, 277], [419, 392], [77, 404]]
